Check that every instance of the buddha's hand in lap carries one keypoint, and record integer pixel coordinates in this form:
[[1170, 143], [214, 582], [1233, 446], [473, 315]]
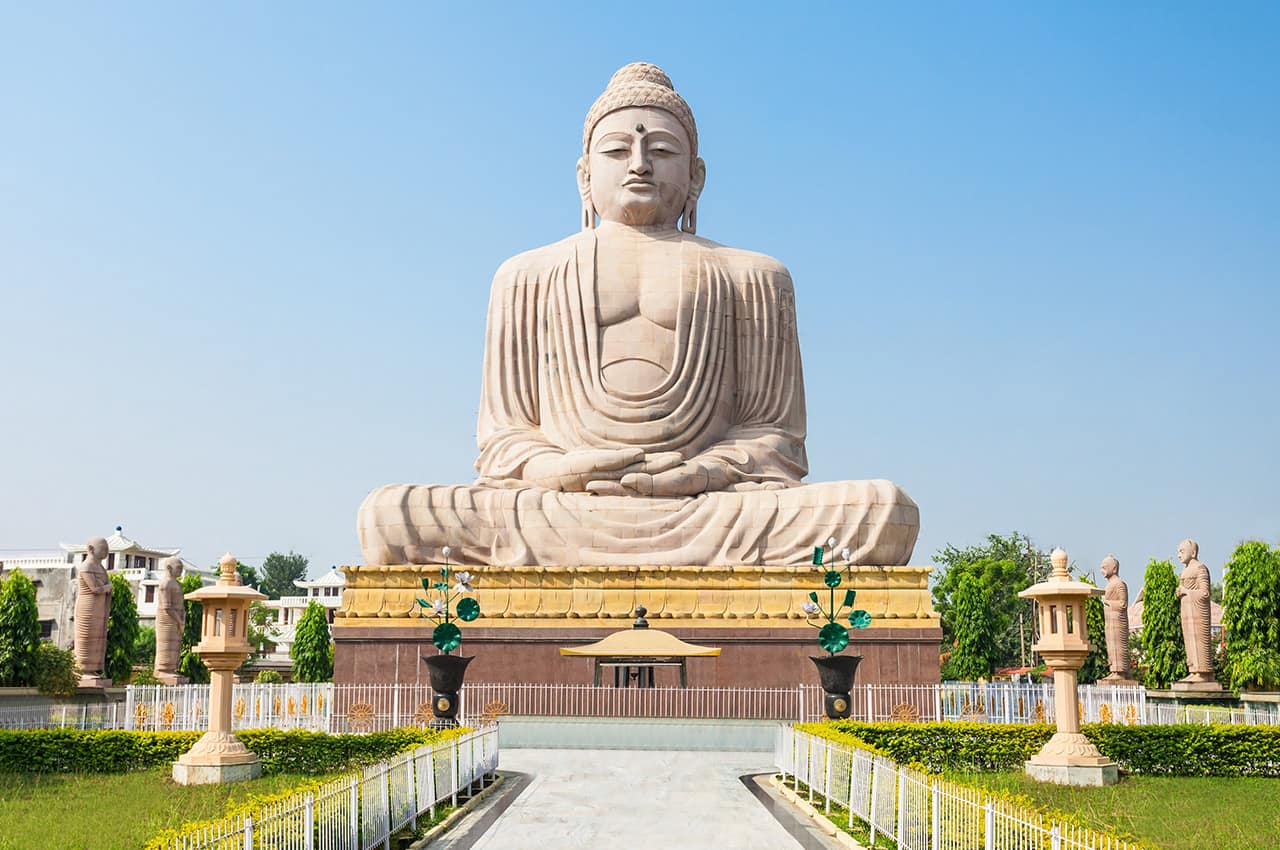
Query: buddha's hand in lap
[[594, 470], [687, 479]]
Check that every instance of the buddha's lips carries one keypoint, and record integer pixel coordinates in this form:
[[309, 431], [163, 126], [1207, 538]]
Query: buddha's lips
[[637, 184]]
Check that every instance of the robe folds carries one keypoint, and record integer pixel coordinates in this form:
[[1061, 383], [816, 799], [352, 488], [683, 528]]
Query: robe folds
[[733, 394]]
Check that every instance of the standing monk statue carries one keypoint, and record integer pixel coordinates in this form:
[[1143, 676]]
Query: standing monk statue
[[171, 620], [642, 399], [1193, 591], [1115, 615], [93, 609]]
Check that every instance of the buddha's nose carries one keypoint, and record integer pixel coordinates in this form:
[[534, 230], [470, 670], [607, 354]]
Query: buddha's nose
[[639, 160]]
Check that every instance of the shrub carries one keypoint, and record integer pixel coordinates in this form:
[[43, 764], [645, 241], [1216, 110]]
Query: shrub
[[268, 677], [56, 671], [122, 631], [1162, 646], [145, 676], [1184, 750], [312, 650], [144, 646], [19, 631], [111, 751]]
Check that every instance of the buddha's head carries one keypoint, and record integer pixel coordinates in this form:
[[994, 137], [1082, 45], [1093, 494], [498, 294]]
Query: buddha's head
[[640, 163], [1110, 566], [173, 566], [97, 547], [1188, 551]]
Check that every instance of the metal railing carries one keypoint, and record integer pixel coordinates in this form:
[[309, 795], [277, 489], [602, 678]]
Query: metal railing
[[591, 701], [367, 708], [359, 811], [919, 811]]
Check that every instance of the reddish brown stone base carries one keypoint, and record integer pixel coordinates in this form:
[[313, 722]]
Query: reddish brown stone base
[[751, 657]]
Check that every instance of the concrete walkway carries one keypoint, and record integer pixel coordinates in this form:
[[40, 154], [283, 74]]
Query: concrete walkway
[[631, 799]]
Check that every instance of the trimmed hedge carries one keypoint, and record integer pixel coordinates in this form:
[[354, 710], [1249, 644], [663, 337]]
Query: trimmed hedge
[[112, 751], [1184, 750]]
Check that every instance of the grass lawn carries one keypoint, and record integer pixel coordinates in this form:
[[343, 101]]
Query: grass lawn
[[111, 811], [1168, 813]]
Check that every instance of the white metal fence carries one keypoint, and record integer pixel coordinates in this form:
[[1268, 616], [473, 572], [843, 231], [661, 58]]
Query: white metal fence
[[359, 811], [366, 708], [919, 811]]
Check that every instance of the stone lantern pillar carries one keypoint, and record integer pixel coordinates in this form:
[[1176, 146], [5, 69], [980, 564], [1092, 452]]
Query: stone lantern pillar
[[1069, 758], [219, 756]]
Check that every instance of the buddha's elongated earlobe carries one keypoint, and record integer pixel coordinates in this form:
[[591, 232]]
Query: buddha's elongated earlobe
[[584, 189], [689, 219]]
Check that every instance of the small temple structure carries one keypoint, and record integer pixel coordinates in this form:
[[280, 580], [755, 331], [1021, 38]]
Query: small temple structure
[[633, 654]]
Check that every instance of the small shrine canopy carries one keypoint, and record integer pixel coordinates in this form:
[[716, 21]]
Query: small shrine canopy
[[640, 648]]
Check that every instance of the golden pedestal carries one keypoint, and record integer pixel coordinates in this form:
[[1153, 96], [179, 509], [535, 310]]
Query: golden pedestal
[[528, 613]]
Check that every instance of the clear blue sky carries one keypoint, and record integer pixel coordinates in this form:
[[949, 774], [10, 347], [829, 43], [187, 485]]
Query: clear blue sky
[[245, 253]]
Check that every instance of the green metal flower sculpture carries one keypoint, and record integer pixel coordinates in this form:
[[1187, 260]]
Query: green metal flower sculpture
[[833, 637], [446, 636]]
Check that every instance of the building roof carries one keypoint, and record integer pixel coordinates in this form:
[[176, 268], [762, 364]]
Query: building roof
[[117, 542], [641, 643], [333, 578]]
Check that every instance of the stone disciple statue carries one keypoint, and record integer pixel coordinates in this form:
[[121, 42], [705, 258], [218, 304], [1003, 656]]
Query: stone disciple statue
[[642, 399], [171, 619], [1193, 592], [1115, 616], [93, 608]]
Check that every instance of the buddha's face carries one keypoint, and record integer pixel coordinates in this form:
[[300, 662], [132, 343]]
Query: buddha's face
[[1110, 566], [1186, 551], [639, 167]]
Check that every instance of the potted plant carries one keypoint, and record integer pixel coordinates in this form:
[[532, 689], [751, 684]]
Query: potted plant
[[446, 670], [834, 671]]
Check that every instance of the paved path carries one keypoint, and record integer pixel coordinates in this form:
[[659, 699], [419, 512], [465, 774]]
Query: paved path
[[635, 800]]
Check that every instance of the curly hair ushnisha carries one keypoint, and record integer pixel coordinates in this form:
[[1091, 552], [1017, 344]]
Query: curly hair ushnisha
[[641, 84]]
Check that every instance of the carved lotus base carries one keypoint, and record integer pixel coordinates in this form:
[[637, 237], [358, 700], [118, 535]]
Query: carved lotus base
[[171, 679], [216, 757], [1069, 748], [1117, 680], [89, 680]]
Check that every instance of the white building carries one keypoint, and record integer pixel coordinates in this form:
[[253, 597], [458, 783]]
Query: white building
[[327, 590], [53, 573]]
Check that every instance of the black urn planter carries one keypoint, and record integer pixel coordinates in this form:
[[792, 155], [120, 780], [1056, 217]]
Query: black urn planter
[[446, 672], [836, 674]]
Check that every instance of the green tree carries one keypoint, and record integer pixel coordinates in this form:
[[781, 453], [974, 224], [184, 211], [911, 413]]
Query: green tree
[[144, 647], [279, 572], [19, 631], [122, 631], [248, 575], [262, 629], [1251, 616], [1096, 665], [312, 650], [268, 677], [1005, 565], [189, 664], [976, 627], [1162, 646]]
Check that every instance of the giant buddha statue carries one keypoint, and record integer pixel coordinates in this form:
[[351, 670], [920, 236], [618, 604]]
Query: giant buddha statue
[[642, 398]]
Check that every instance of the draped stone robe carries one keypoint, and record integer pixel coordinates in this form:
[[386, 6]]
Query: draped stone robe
[[734, 393], [1195, 615]]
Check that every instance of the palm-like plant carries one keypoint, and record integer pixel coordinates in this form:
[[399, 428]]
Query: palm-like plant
[[446, 635], [833, 636]]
